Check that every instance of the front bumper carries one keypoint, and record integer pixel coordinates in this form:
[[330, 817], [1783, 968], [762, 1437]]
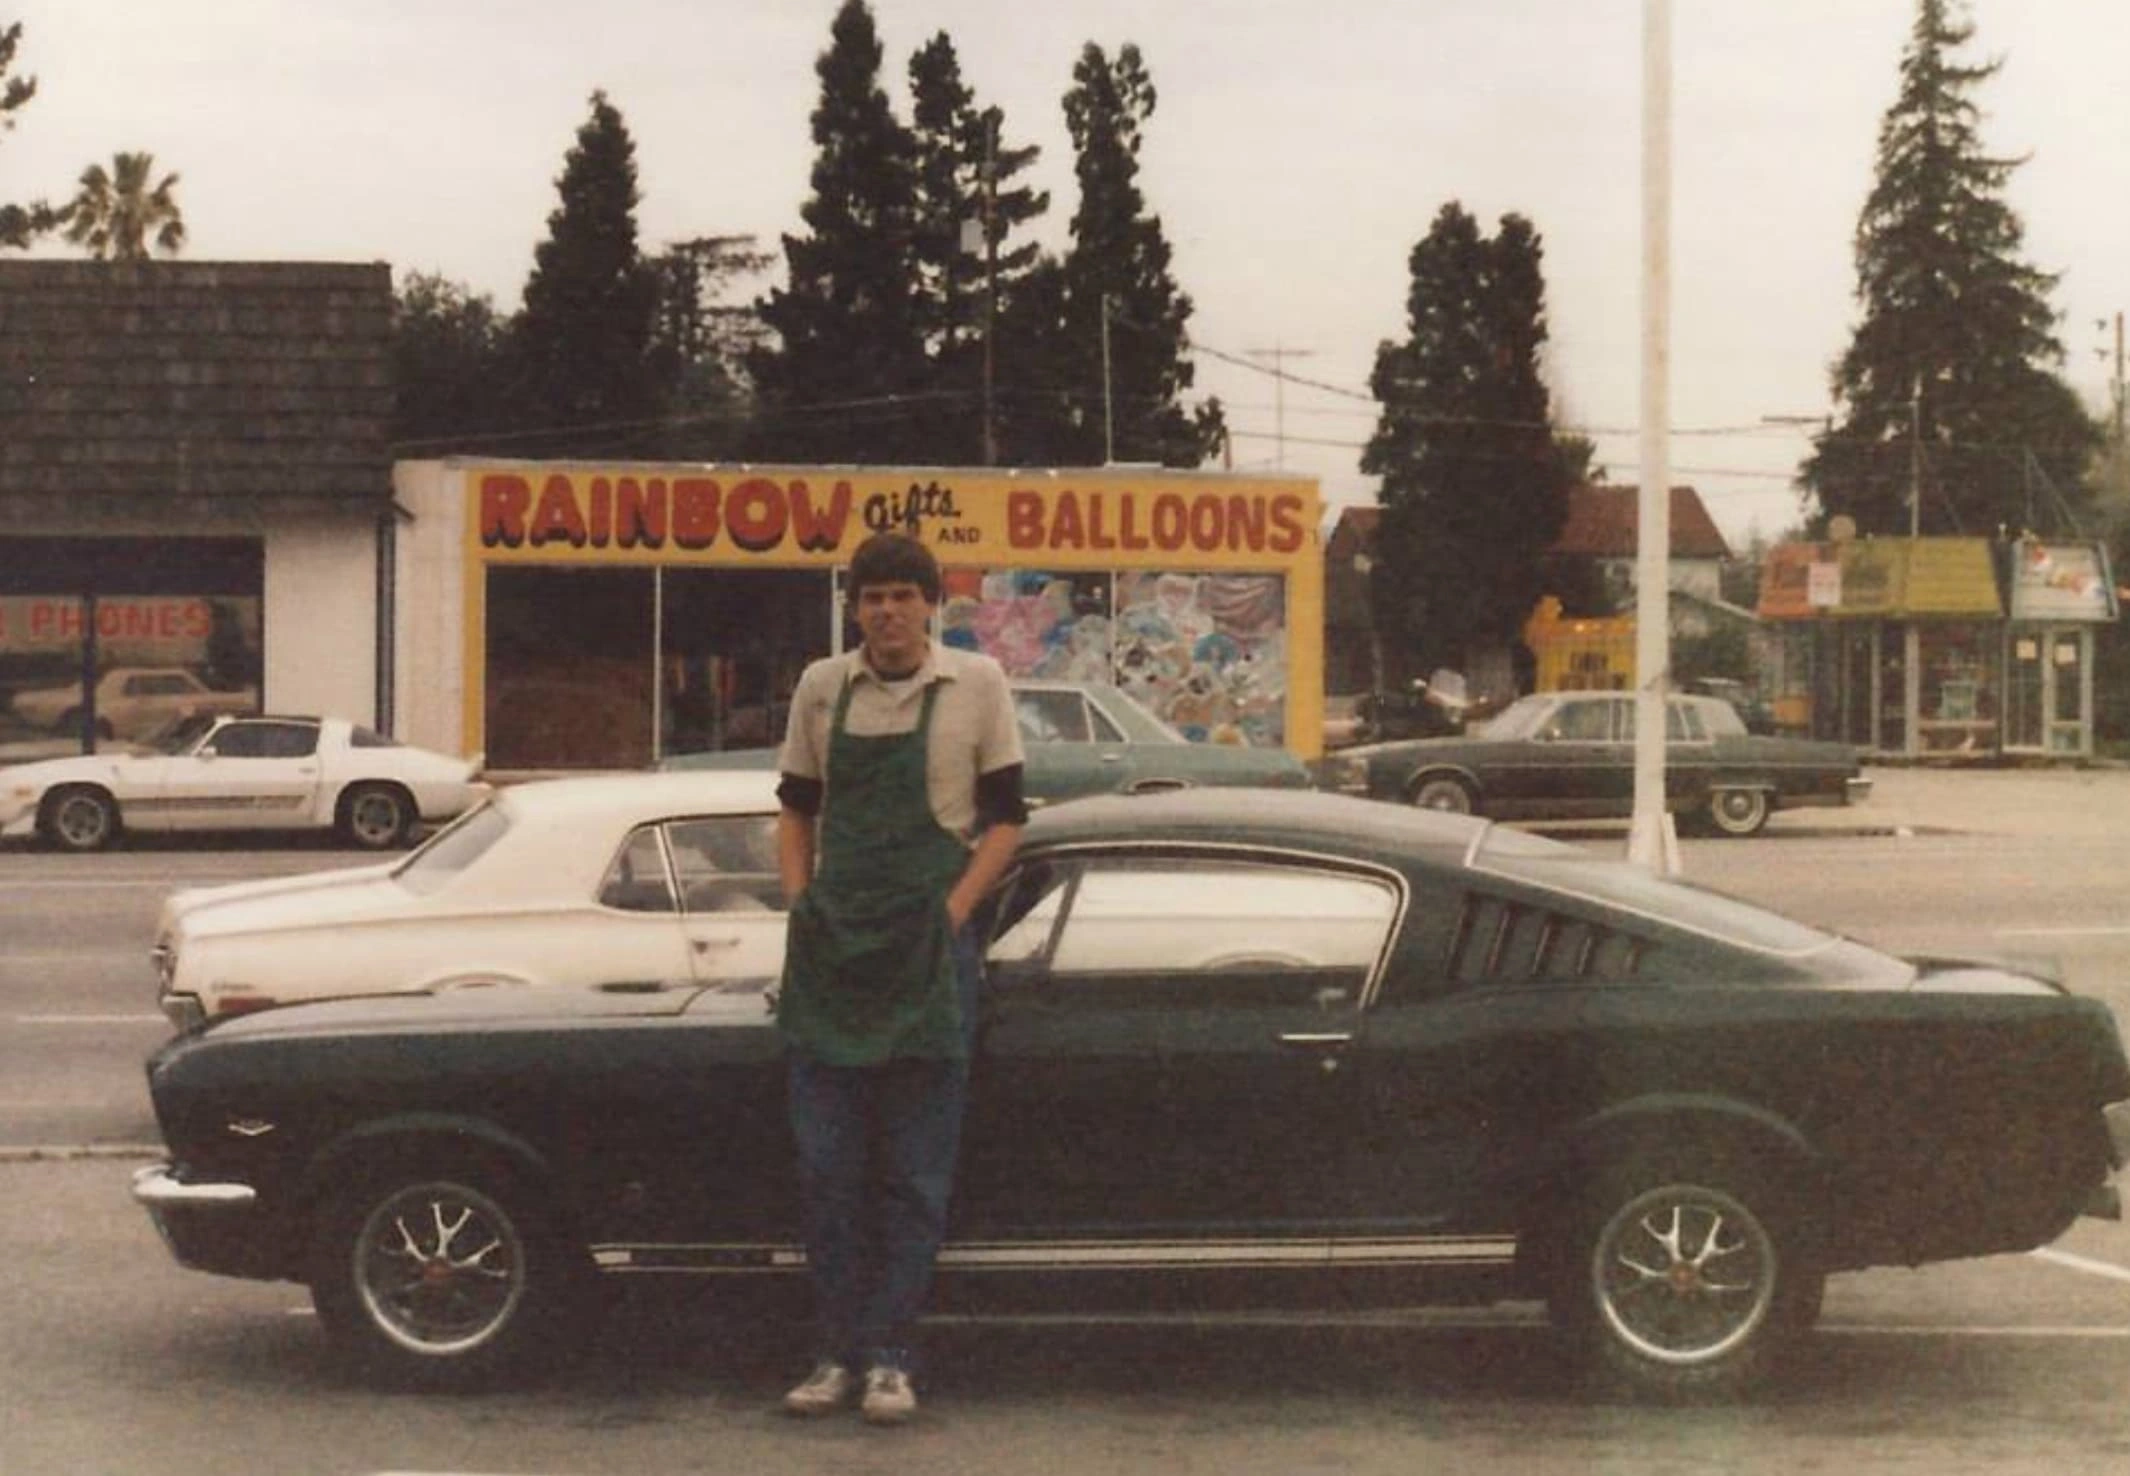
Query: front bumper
[[210, 1226]]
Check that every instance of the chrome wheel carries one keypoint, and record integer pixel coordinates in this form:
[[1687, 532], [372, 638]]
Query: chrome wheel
[[439, 1268], [1738, 811], [1445, 794], [1683, 1275], [377, 817], [80, 819]]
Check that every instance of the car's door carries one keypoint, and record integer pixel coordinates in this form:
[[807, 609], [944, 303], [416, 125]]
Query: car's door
[[1571, 763], [1070, 748], [641, 937], [1159, 1063], [732, 910], [254, 773]]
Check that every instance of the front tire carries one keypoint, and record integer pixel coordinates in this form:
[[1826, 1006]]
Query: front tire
[[440, 1276], [1446, 793], [79, 818], [376, 817], [1682, 1283], [1738, 812]]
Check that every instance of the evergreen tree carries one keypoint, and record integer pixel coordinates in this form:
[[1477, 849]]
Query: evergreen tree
[[582, 342], [1474, 483], [848, 367], [19, 224], [964, 174], [1071, 412], [701, 341], [1946, 378], [450, 369]]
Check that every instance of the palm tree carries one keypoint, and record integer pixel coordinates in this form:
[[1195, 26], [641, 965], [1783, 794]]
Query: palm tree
[[115, 214]]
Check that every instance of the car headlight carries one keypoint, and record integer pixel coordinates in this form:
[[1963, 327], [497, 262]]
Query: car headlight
[[1343, 773]]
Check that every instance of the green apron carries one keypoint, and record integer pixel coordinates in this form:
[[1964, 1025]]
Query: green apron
[[869, 957]]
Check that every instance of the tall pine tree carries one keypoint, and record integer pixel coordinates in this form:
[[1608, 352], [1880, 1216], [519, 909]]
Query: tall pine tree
[[1475, 486], [701, 341], [1071, 407], [848, 368], [965, 172], [1947, 380], [582, 342]]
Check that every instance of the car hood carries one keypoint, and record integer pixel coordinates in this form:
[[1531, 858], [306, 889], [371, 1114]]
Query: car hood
[[44, 773], [305, 900]]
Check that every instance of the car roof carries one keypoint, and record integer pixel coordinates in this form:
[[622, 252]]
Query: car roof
[[646, 794], [1275, 819]]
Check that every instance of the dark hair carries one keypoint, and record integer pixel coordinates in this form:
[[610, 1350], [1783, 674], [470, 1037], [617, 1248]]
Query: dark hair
[[894, 558]]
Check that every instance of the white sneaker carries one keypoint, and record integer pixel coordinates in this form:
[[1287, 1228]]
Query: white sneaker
[[889, 1397], [825, 1390]]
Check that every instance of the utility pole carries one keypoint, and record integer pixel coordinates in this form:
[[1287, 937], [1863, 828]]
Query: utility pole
[[990, 275], [1279, 353], [1915, 458]]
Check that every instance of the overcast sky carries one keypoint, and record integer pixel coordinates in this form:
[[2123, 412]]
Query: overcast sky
[[1299, 150]]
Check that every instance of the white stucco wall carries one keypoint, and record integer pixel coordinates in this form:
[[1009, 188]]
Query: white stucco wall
[[319, 617], [429, 658]]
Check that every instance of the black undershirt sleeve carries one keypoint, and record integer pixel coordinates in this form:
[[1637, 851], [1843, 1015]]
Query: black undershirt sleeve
[[795, 792], [998, 798]]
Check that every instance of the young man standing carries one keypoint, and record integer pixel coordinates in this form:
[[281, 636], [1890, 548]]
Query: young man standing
[[902, 804]]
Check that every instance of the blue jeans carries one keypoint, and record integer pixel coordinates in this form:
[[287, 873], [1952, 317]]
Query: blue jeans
[[877, 1147]]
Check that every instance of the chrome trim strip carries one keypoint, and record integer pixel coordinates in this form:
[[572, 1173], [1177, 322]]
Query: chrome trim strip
[[727, 1259]]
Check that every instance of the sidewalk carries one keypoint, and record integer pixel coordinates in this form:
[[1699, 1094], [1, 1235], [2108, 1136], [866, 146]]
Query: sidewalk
[[2065, 802]]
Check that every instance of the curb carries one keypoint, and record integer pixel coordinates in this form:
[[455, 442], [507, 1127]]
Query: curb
[[80, 1152]]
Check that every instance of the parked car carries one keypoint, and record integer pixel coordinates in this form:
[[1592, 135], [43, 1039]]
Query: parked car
[[132, 701], [1430, 1059], [254, 773], [647, 877], [1086, 738], [1570, 755]]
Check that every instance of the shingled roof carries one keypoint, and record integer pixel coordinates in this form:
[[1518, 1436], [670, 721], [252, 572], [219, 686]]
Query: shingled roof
[[195, 383], [1602, 521]]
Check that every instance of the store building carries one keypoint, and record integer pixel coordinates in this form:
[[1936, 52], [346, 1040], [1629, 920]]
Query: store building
[[573, 615], [1939, 647], [195, 485]]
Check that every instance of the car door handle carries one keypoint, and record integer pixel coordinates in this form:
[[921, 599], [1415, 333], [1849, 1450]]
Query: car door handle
[[1313, 1040], [704, 945]]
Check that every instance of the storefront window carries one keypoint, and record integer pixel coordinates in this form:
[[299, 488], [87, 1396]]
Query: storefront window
[[117, 640], [731, 647], [1207, 652], [570, 663], [1960, 695]]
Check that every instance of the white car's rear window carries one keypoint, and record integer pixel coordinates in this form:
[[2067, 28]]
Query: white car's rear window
[[452, 849]]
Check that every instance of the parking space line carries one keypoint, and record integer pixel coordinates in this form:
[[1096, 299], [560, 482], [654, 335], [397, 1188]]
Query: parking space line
[[2082, 1263]]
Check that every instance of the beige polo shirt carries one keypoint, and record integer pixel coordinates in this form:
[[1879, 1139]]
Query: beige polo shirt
[[973, 727]]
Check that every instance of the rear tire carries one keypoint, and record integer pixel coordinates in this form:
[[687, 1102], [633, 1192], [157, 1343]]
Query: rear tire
[[79, 817], [376, 817], [1680, 1282], [1446, 793], [1738, 812]]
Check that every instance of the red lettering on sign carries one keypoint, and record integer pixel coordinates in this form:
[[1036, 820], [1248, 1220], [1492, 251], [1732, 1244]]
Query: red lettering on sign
[[599, 527], [1065, 528], [1129, 534], [1205, 524], [814, 530], [504, 500], [1171, 519], [557, 518], [1024, 519], [694, 512], [640, 512], [1099, 536], [1246, 523], [1288, 530], [755, 514]]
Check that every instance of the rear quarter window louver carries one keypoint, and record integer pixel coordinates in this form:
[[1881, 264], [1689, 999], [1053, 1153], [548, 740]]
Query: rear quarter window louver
[[1499, 941]]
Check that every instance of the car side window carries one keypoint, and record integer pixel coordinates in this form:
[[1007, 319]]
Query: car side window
[[1181, 933], [1582, 722], [727, 863], [264, 740], [1682, 723], [1100, 728], [636, 881], [1051, 717]]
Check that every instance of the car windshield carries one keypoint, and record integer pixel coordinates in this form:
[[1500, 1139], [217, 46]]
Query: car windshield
[[452, 849], [1520, 719], [182, 735]]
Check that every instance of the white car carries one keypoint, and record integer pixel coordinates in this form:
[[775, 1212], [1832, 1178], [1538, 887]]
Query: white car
[[131, 701], [629, 881], [246, 773]]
